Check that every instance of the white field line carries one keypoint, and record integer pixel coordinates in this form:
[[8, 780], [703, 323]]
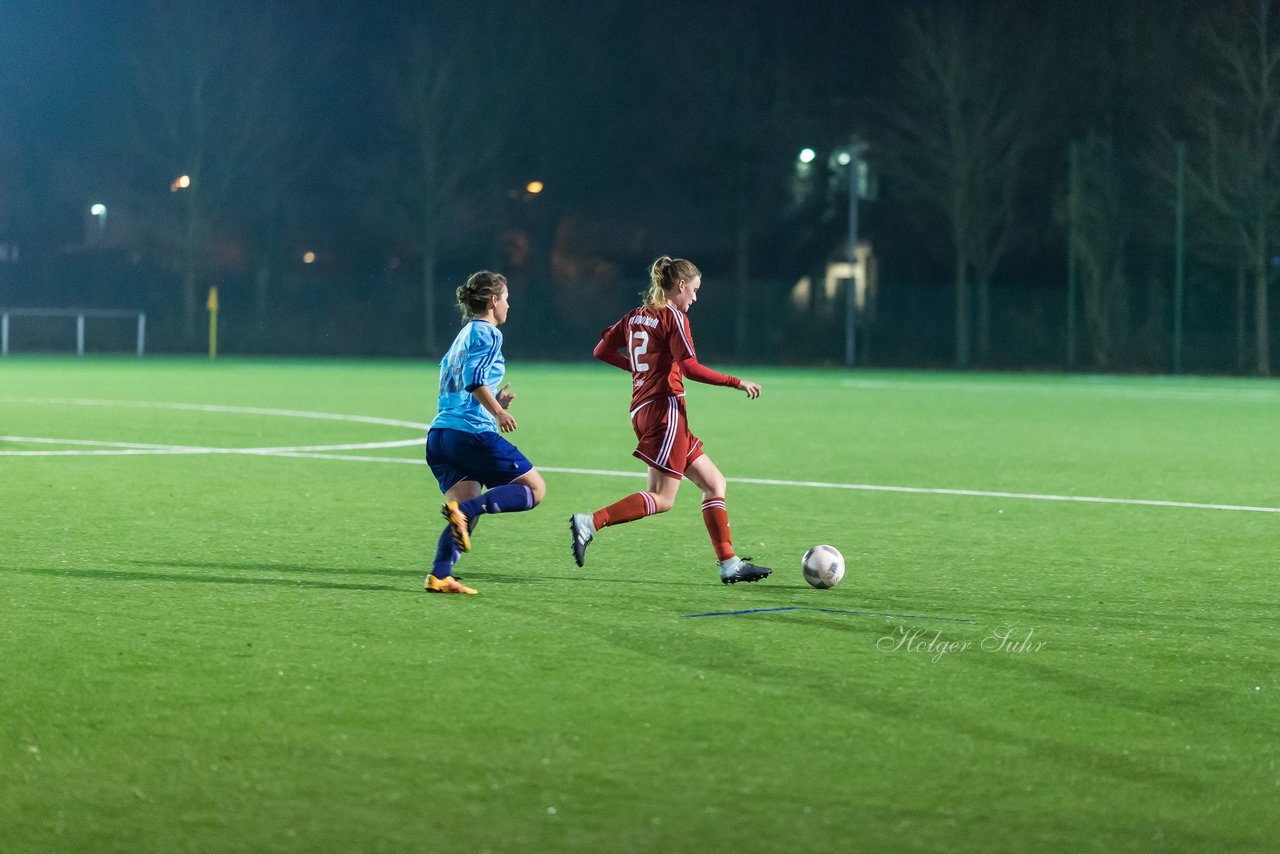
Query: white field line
[[921, 490], [134, 449], [313, 452], [1241, 395], [233, 410], [45, 440], [141, 449]]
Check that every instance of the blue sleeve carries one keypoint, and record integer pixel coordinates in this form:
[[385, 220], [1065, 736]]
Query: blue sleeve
[[484, 347]]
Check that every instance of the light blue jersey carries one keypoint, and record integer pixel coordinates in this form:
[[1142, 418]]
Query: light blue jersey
[[474, 359]]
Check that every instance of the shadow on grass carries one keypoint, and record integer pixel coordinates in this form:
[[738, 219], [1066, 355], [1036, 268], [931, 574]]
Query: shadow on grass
[[598, 577], [465, 571], [761, 660], [411, 577], [470, 575], [288, 568], [192, 578]]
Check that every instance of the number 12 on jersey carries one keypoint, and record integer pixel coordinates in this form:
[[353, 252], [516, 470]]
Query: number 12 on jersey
[[637, 346]]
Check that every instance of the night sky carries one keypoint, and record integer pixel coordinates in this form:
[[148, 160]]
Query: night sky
[[613, 128], [656, 128]]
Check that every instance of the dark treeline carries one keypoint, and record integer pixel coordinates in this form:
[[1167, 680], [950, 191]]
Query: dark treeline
[[1081, 184]]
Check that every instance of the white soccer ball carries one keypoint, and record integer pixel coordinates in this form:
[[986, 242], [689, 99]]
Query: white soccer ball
[[823, 566]]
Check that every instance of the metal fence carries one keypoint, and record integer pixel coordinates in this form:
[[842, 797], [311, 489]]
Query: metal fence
[[912, 324]]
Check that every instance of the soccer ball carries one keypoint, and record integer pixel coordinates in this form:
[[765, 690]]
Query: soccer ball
[[823, 566]]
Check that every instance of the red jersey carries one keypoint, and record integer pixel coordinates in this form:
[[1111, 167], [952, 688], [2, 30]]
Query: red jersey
[[659, 353]]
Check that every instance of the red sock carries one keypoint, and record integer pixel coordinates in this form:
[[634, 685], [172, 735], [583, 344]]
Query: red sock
[[635, 506], [717, 519]]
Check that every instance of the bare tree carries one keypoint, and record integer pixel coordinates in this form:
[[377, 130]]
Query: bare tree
[[1097, 220], [212, 103], [8, 189], [1210, 237], [958, 137], [455, 94], [732, 86], [278, 177], [1233, 122]]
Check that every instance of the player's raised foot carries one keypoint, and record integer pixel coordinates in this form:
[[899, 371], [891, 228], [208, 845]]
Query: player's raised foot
[[737, 569], [457, 525], [583, 531], [447, 585]]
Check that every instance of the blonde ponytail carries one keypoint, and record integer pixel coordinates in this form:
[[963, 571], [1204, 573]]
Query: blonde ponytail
[[664, 274]]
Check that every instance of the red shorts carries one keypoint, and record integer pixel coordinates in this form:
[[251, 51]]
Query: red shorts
[[662, 428]]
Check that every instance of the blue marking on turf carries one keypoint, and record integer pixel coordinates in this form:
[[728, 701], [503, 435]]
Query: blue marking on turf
[[827, 611]]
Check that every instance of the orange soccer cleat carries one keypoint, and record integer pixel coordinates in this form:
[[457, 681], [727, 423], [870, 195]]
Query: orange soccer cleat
[[457, 524], [447, 585]]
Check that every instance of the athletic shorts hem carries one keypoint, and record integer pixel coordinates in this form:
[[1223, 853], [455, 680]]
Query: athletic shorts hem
[[669, 472], [486, 458]]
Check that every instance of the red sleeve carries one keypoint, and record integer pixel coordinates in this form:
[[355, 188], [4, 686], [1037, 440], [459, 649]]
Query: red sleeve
[[695, 370], [611, 341]]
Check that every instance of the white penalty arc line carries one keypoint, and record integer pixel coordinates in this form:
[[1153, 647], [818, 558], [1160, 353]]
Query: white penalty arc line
[[107, 449], [117, 449], [231, 410]]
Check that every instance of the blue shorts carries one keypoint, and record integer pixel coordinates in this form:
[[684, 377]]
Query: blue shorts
[[487, 458]]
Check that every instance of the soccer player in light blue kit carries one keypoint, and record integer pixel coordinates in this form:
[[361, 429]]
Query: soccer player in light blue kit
[[464, 448]]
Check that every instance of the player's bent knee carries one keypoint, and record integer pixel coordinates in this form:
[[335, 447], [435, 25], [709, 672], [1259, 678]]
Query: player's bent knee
[[661, 503], [537, 486]]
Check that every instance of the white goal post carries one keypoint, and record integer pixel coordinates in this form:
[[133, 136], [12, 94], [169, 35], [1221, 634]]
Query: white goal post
[[80, 314]]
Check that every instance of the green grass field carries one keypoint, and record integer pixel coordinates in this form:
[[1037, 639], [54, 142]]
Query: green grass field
[[213, 651]]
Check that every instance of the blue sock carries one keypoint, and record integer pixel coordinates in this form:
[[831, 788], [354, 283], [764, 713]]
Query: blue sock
[[446, 555], [511, 498]]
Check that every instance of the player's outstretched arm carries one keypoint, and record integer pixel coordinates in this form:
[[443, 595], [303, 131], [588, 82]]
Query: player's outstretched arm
[[695, 370], [610, 355]]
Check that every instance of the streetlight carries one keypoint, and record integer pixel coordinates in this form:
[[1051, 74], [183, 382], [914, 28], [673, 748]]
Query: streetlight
[[180, 183], [802, 180], [533, 188], [858, 186], [99, 212]]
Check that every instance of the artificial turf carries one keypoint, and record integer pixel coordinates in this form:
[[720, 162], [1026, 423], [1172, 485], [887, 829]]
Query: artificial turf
[[209, 651]]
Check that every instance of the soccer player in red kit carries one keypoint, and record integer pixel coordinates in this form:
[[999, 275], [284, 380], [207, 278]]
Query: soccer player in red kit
[[655, 344]]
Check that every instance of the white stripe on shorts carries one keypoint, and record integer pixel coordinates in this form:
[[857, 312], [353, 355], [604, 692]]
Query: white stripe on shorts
[[673, 424]]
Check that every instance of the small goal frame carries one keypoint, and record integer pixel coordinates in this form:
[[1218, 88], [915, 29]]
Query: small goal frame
[[80, 314]]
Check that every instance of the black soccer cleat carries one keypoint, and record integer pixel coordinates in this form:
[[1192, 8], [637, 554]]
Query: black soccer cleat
[[744, 572], [583, 532]]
